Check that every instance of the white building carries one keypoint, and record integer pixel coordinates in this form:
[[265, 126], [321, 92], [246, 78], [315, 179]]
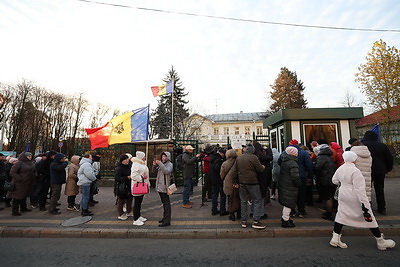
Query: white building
[[217, 128]]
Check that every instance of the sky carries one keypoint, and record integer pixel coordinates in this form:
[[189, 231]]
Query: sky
[[113, 55]]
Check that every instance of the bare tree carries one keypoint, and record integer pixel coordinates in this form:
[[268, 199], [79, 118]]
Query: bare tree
[[99, 115], [348, 99]]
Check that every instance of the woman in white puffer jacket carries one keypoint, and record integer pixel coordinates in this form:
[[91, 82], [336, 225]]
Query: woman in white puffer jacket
[[139, 173]]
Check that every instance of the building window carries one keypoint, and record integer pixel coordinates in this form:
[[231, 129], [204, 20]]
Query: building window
[[216, 131], [259, 130], [247, 130], [327, 131], [236, 130], [226, 130]]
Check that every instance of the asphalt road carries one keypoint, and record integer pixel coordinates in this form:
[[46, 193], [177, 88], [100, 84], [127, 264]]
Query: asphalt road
[[362, 251]]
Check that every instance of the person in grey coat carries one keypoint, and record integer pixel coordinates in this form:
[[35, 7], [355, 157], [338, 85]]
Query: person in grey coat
[[189, 165], [164, 169], [288, 184]]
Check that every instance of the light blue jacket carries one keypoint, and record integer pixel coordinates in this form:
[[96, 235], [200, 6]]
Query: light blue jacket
[[85, 172]]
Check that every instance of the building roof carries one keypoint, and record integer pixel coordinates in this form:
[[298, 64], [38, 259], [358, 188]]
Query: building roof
[[234, 117], [313, 114], [379, 117]]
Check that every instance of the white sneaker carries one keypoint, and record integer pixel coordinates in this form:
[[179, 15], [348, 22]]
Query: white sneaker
[[130, 214], [138, 222], [123, 217], [143, 219]]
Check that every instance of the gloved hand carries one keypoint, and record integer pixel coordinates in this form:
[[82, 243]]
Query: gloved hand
[[367, 216]]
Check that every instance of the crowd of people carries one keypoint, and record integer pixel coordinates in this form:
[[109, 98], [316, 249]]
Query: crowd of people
[[240, 185]]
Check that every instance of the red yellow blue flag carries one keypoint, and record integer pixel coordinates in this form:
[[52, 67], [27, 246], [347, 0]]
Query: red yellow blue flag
[[163, 89], [129, 127]]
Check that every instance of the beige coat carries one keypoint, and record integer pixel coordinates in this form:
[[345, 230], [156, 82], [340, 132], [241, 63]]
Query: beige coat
[[364, 163], [227, 174], [71, 188]]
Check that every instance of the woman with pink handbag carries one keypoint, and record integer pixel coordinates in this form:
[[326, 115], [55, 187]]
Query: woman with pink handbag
[[140, 185]]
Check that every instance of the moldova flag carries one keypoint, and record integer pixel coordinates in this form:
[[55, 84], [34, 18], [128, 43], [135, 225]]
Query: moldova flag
[[164, 89], [129, 127]]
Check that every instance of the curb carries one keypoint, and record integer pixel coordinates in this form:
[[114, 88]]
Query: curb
[[40, 232]]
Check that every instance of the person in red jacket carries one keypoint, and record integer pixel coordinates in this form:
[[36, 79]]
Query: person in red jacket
[[339, 154], [207, 186]]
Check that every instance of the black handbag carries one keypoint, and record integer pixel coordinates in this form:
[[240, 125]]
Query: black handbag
[[9, 186], [122, 189]]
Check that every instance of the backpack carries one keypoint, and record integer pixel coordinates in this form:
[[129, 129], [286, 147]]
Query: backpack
[[179, 162]]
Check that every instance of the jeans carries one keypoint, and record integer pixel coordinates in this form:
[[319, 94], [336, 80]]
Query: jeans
[[55, 196], [85, 196], [187, 184], [217, 190], [166, 206], [254, 192]]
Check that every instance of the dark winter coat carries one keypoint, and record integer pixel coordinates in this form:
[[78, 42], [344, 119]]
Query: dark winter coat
[[189, 164], [122, 171], [382, 159], [265, 177], [247, 166], [58, 174], [216, 161], [325, 167], [304, 161], [289, 181], [23, 177], [43, 167]]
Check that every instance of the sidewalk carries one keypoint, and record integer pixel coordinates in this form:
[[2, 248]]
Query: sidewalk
[[186, 223]]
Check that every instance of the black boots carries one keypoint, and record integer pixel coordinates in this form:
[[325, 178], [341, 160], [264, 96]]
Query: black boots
[[15, 211], [287, 224], [86, 213]]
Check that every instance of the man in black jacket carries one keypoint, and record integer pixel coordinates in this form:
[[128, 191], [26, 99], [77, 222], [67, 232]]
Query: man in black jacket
[[216, 161], [382, 163], [57, 179]]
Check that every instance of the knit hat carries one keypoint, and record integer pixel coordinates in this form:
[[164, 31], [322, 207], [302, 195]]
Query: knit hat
[[140, 154], [250, 149], [129, 155], [291, 150], [349, 156], [293, 142]]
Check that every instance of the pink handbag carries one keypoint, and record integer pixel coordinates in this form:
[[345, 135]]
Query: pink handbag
[[140, 188]]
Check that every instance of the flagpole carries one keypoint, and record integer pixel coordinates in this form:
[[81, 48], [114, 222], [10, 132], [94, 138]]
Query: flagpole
[[172, 109]]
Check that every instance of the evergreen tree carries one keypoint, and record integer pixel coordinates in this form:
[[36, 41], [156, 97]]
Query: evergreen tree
[[161, 117], [287, 91]]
